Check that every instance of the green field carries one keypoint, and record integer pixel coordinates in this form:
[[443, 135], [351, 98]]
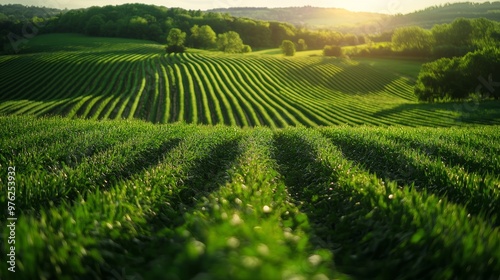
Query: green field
[[118, 199], [128, 163], [101, 78]]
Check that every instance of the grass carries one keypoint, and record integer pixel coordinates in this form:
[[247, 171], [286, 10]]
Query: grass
[[131, 163], [106, 78], [118, 199]]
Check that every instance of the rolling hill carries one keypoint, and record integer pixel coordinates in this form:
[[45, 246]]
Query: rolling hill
[[118, 161], [103, 78], [356, 22], [313, 17]]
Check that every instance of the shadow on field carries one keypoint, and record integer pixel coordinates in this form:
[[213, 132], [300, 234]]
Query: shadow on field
[[486, 112], [389, 162], [105, 175], [351, 79], [311, 183], [167, 238]]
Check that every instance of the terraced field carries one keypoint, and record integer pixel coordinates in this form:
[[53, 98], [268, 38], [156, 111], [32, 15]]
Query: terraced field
[[129, 199], [100, 78]]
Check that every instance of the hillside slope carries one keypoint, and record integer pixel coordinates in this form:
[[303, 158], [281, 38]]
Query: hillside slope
[[128, 199], [304, 16], [347, 21], [102, 78]]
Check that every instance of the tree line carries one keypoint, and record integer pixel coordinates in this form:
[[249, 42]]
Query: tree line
[[149, 22]]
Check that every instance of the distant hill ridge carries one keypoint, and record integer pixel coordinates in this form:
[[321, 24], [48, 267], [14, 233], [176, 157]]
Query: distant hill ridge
[[348, 21], [315, 17], [304, 16]]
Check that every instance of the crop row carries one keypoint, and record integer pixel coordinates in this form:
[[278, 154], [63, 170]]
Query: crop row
[[129, 199], [216, 89]]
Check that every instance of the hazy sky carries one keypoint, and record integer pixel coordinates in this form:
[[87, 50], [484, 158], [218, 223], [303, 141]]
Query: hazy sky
[[378, 6]]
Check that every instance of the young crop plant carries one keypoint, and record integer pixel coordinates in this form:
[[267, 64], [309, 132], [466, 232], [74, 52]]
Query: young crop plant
[[118, 199], [133, 79]]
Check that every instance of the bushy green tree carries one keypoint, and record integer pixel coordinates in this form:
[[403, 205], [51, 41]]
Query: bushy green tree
[[459, 77], [138, 27], [439, 80], [247, 49], [413, 40], [301, 45], [230, 42], [93, 26], [288, 48], [203, 37], [175, 41], [332, 51]]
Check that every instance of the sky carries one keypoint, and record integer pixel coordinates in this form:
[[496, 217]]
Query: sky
[[375, 6]]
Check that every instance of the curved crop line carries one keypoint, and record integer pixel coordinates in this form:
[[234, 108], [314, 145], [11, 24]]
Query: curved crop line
[[138, 93], [26, 69], [115, 88], [155, 106], [214, 78], [91, 86], [260, 92], [37, 85], [232, 92], [243, 94], [276, 93], [215, 102], [191, 106], [267, 114], [164, 112], [114, 70], [204, 105], [124, 109]]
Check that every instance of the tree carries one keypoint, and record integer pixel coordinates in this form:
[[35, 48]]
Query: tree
[[203, 37], [137, 27], [280, 32], [246, 49], [230, 42], [301, 45], [461, 32], [288, 48], [459, 77], [175, 41], [413, 40], [332, 51], [110, 29], [94, 24]]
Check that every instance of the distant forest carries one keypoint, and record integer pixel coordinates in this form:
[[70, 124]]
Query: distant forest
[[357, 22], [148, 22]]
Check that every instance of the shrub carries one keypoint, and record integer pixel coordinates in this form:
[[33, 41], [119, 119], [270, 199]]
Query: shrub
[[246, 49], [288, 48], [459, 77], [332, 51]]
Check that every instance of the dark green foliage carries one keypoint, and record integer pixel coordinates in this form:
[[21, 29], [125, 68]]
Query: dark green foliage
[[125, 78], [175, 49], [413, 41], [93, 26], [288, 48], [203, 37], [459, 77], [332, 51], [176, 37], [301, 45], [246, 49], [230, 42], [175, 41], [449, 51]]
